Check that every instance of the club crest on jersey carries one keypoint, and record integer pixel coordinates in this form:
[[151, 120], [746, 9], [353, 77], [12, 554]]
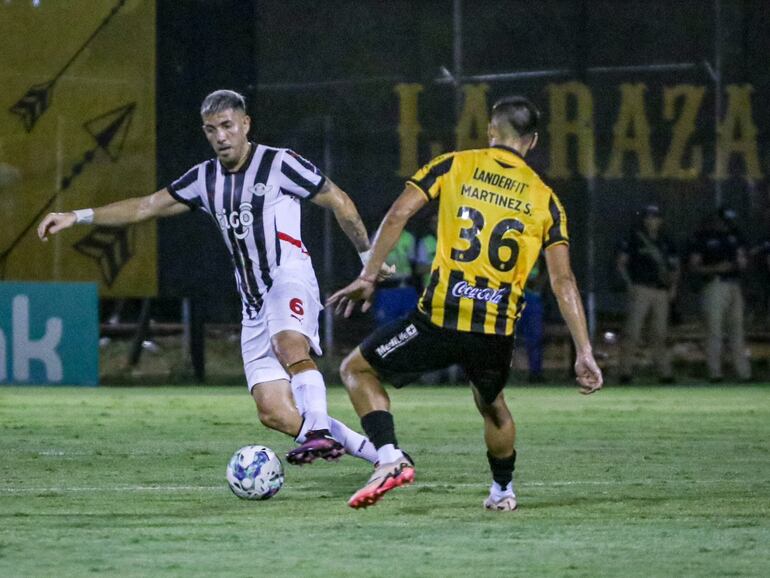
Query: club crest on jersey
[[465, 289], [260, 189], [238, 221]]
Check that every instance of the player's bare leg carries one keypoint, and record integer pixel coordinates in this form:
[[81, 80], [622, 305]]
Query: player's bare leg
[[293, 351], [372, 404], [275, 406], [280, 411], [363, 384], [500, 437]]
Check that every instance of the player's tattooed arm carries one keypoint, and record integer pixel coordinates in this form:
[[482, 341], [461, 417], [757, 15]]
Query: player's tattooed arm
[[336, 200]]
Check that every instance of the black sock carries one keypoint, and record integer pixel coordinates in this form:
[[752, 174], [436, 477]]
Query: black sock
[[379, 428], [502, 469]]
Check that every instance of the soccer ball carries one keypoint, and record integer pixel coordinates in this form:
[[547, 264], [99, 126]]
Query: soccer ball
[[255, 473]]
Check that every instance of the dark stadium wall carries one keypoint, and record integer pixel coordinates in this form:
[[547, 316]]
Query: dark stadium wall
[[643, 146], [367, 71], [202, 46]]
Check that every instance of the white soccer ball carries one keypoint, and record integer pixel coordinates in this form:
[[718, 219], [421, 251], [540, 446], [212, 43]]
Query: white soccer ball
[[255, 473]]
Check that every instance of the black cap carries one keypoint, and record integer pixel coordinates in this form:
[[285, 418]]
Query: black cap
[[652, 211]]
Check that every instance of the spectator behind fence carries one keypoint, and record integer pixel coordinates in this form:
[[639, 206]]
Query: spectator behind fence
[[397, 296], [530, 327], [426, 251], [649, 265], [718, 256]]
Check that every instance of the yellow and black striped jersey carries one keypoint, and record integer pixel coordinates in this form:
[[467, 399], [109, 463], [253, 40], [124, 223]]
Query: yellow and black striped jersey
[[495, 215]]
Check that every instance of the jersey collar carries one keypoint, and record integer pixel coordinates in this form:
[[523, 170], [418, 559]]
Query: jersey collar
[[244, 166], [509, 149]]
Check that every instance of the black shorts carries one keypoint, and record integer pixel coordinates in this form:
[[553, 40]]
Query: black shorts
[[404, 349]]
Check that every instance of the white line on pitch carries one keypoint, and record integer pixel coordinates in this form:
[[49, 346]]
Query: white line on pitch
[[437, 485]]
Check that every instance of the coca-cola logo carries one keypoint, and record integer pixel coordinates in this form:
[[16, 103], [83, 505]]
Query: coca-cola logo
[[465, 289]]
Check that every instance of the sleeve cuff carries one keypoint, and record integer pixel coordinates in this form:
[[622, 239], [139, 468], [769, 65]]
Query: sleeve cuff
[[318, 188], [555, 242], [424, 192], [192, 206]]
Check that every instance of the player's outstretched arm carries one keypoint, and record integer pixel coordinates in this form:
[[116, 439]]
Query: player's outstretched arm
[[125, 212], [564, 287], [407, 204]]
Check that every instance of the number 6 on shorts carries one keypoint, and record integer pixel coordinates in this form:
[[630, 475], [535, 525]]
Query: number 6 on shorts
[[296, 306]]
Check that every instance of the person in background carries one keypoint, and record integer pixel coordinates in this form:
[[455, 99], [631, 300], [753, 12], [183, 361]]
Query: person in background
[[718, 256], [648, 264], [530, 327], [397, 295], [426, 251]]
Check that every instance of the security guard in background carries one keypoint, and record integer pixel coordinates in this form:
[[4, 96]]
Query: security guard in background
[[718, 255], [649, 265]]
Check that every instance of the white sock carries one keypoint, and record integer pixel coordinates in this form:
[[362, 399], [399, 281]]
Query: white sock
[[389, 453], [497, 491], [354, 443], [310, 396], [299, 398]]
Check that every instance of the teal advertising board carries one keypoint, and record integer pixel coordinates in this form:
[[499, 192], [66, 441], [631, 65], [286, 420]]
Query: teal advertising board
[[49, 333]]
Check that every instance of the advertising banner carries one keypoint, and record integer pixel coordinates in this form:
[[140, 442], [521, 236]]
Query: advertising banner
[[49, 333]]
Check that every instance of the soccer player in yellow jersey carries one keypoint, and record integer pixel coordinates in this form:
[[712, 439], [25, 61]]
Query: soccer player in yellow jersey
[[495, 216]]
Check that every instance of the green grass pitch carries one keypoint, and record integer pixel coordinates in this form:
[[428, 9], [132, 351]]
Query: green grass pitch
[[641, 481]]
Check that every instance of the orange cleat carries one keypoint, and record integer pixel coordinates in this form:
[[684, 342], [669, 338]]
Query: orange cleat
[[384, 479]]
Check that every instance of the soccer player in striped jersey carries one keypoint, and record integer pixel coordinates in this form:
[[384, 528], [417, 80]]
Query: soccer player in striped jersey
[[253, 194], [495, 216]]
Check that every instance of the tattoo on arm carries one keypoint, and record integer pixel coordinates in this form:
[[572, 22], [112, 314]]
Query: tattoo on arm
[[350, 222]]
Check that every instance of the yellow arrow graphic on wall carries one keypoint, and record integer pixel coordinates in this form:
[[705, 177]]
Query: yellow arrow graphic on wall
[[109, 130], [37, 99]]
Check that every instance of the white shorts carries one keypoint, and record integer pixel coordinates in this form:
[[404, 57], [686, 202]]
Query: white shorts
[[293, 303]]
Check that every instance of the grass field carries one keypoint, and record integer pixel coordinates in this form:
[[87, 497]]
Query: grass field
[[641, 481]]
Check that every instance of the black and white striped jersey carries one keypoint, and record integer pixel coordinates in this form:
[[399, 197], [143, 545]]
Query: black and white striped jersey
[[257, 210]]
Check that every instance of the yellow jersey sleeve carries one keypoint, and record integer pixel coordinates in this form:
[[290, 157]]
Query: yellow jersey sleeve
[[555, 230], [430, 177]]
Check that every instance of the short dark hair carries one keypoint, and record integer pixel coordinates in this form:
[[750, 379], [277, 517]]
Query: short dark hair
[[221, 100], [519, 112]]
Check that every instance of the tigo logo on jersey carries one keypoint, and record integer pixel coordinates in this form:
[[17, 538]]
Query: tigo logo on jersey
[[239, 221], [409, 333], [465, 289]]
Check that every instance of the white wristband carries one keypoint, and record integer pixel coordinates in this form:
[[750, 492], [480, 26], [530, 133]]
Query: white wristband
[[365, 256], [84, 216]]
